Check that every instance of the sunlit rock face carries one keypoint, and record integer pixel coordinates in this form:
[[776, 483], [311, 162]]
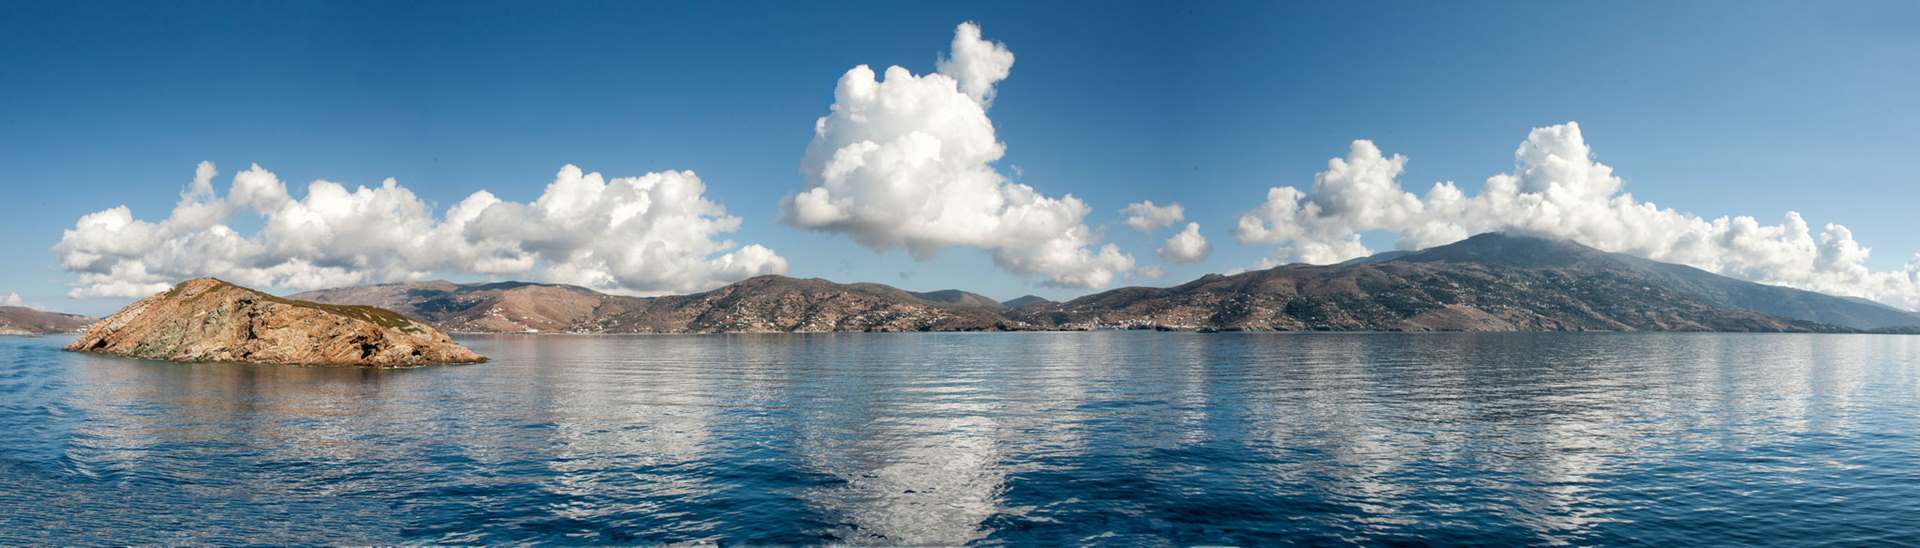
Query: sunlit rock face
[[211, 320]]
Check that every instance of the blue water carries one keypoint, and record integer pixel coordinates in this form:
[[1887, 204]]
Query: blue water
[[1044, 438]]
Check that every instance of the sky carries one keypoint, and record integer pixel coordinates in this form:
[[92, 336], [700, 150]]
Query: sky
[[1005, 156]]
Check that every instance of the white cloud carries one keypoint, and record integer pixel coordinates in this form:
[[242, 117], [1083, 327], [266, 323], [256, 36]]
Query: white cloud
[[1145, 217], [640, 235], [976, 65], [1558, 189], [1151, 272], [12, 299], [1186, 247], [908, 162]]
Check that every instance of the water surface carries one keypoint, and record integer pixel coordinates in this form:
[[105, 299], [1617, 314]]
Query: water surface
[[1109, 437]]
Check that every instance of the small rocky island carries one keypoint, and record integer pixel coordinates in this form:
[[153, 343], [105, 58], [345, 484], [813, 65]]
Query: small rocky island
[[208, 320]]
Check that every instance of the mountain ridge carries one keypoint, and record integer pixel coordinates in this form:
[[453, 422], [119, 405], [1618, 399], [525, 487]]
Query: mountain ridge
[[768, 303], [1490, 282]]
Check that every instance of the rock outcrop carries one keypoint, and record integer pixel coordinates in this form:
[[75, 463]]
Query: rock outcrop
[[211, 320], [20, 320]]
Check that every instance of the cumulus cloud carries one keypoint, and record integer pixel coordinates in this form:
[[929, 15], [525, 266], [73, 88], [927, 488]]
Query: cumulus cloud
[[12, 299], [1145, 217], [907, 162], [1186, 247], [637, 235], [1557, 188], [976, 65]]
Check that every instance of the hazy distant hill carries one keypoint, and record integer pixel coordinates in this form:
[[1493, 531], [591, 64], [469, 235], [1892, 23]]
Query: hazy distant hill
[[1491, 282], [955, 297], [20, 320], [1024, 300]]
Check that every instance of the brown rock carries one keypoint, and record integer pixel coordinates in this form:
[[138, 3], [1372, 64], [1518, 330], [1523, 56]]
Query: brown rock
[[211, 320]]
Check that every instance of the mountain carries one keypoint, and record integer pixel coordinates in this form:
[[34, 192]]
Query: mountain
[[1490, 282], [958, 298], [211, 320], [1848, 312], [506, 307], [756, 305], [20, 320], [1025, 300]]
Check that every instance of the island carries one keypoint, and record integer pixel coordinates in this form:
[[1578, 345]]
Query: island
[[24, 321], [208, 320]]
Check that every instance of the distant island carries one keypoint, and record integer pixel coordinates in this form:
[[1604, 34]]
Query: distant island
[[1490, 282], [20, 320], [211, 320]]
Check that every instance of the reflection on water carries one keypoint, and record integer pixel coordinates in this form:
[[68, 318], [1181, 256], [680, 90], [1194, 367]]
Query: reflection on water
[[1118, 437]]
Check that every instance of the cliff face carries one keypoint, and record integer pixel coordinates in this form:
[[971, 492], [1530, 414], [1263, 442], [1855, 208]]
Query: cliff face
[[20, 320], [211, 320]]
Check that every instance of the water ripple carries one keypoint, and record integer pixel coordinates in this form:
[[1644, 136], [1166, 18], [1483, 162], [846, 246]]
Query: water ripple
[[1042, 438]]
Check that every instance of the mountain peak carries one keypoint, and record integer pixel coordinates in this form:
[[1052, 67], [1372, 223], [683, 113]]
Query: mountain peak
[[1024, 300], [1508, 248]]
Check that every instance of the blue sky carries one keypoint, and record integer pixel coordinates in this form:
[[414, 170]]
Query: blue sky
[[1713, 108]]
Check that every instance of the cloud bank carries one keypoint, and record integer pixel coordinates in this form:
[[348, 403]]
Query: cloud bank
[[635, 235], [907, 162], [1558, 189], [12, 299]]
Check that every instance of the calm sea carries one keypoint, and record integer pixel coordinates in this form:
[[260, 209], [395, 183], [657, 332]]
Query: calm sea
[[1041, 438]]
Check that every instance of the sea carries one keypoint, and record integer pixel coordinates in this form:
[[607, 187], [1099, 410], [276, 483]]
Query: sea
[[1095, 438]]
